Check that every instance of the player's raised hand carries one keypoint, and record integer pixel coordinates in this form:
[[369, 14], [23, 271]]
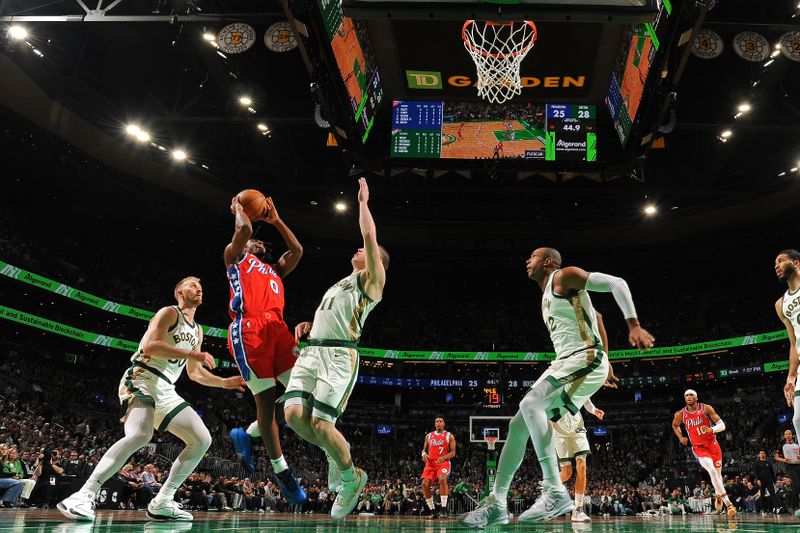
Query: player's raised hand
[[301, 330], [234, 383], [599, 413], [788, 392], [271, 215], [236, 207], [363, 191], [206, 359], [640, 338]]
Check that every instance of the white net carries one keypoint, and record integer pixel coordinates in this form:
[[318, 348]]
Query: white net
[[498, 50]]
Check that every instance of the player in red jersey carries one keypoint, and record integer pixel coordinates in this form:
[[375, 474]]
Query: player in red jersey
[[258, 338], [698, 417], [461, 132], [439, 448]]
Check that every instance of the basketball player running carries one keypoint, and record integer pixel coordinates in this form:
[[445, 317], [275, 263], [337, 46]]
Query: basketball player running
[[580, 369], [258, 338], [147, 392], [698, 417], [787, 268], [439, 448], [327, 368], [571, 441]]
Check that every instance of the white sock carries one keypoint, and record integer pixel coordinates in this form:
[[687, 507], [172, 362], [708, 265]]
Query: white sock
[[444, 501], [429, 501], [349, 474], [511, 456], [253, 430], [279, 464], [578, 501]]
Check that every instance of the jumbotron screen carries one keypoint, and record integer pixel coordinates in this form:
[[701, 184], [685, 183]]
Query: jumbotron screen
[[469, 130]]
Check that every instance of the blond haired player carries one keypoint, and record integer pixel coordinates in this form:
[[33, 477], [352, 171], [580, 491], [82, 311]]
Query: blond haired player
[[324, 375], [149, 401]]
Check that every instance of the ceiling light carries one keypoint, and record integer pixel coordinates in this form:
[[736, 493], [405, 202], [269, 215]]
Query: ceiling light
[[782, 173], [220, 54], [132, 129], [744, 107], [775, 53], [768, 63], [209, 36], [793, 169], [737, 115], [179, 155], [245, 100], [142, 136], [725, 134], [37, 52], [650, 210], [17, 32], [340, 206], [262, 127]]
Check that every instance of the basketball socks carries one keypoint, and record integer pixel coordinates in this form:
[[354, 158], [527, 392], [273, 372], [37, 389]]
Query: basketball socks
[[533, 407], [429, 501], [444, 501], [279, 464], [578, 501], [253, 431], [511, 456], [349, 473]]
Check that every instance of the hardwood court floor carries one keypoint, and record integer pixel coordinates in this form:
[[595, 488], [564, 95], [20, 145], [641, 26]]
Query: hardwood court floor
[[478, 139], [46, 521]]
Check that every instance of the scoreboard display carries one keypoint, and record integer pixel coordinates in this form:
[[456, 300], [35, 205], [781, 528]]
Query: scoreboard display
[[466, 130]]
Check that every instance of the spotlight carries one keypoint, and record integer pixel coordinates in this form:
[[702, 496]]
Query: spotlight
[[744, 107], [179, 155], [262, 127], [725, 134], [132, 129], [245, 100], [782, 173], [142, 136], [340, 206], [209, 37], [793, 169], [650, 210], [775, 53], [768, 63], [17, 32], [220, 54]]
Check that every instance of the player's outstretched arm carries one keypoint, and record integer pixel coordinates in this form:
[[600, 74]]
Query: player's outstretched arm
[[574, 278], [676, 427], [242, 231], [199, 374], [288, 261], [154, 344], [376, 274], [794, 358]]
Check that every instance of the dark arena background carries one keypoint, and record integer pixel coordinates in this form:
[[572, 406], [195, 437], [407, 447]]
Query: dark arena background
[[652, 140]]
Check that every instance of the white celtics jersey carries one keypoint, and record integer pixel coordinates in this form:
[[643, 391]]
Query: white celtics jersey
[[791, 310], [569, 425], [571, 321], [342, 313], [182, 335]]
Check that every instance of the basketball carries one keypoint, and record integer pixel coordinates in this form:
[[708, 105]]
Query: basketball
[[253, 202]]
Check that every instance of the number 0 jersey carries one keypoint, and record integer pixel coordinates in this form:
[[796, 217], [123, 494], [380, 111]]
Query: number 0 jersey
[[182, 335], [343, 311], [571, 321], [256, 289], [790, 306]]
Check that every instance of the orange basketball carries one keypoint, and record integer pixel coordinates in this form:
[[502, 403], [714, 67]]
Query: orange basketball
[[253, 202]]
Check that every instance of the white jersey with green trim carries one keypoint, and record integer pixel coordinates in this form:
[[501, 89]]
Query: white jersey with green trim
[[569, 425], [343, 311], [790, 307], [571, 321], [182, 335]]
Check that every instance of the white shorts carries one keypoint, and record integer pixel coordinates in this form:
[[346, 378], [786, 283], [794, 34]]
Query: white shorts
[[572, 447], [576, 379], [141, 384], [322, 379]]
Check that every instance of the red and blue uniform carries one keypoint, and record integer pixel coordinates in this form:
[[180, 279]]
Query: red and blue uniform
[[703, 444], [438, 445], [258, 338]]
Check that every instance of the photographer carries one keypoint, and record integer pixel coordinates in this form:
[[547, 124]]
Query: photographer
[[47, 473]]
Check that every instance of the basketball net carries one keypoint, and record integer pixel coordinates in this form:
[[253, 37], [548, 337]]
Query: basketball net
[[490, 442], [498, 48]]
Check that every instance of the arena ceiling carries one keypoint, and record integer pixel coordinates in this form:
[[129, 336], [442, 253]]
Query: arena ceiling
[[85, 81]]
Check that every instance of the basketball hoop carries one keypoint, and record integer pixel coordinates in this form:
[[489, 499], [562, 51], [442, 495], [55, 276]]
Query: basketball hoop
[[490, 441], [498, 49]]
